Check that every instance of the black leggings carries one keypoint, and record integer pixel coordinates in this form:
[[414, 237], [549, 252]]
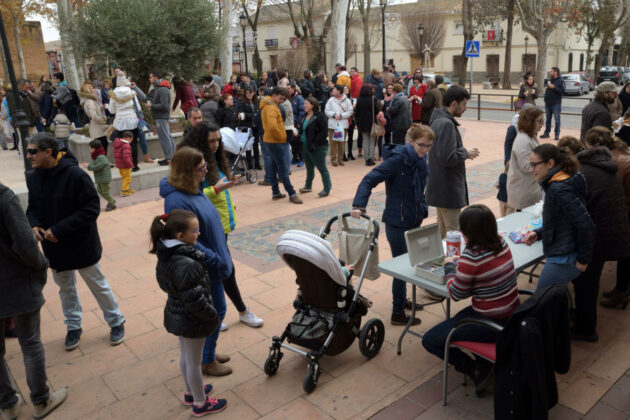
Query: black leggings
[[231, 289]]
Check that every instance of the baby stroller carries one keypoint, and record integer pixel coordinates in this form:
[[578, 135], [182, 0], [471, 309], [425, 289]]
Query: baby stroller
[[236, 144], [328, 309]]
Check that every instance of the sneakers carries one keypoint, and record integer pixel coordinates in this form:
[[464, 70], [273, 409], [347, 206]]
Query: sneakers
[[163, 162], [250, 319], [300, 164], [305, 190], [323, 194], [264, 183], [117, 334], [212, 405], [545, 136], [189, 400], [295, 200], [56, 398], [223, 327], [12, 413], [110, 207], [72, 339], [126, 193], [403, 319], [215, 369]]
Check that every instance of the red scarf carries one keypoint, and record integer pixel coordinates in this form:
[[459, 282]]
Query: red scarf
[[97, 152]]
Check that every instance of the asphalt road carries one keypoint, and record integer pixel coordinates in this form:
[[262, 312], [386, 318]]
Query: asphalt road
[[501, 108]]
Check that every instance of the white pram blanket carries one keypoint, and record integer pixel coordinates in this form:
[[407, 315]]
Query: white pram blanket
[[314, 249]]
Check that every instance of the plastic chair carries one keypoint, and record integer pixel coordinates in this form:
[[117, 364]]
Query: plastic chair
[[486, 350]]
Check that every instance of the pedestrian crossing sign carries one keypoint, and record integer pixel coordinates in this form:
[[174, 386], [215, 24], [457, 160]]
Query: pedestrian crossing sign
[[472, 48]]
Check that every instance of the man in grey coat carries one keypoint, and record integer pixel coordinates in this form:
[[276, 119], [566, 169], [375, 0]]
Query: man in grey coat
[[22, 279], [160, 106], [446, 185]]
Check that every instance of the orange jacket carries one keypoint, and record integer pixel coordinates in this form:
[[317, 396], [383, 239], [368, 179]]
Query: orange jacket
[[273, 125]]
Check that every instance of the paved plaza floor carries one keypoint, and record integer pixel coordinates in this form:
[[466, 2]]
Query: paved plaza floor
[[140, 379]]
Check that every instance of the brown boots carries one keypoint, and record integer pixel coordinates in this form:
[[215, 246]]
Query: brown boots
[[615, 298], [217, 368]]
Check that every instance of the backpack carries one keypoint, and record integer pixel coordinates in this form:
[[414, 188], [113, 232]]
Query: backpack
[[75, 98]]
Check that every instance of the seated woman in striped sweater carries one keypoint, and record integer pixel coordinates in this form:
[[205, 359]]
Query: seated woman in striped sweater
[[485, 271]]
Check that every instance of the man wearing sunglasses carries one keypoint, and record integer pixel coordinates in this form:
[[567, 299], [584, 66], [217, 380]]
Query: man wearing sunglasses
[[62, 210]]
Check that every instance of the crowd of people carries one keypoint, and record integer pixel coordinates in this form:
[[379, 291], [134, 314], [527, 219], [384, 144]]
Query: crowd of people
[[407, 130]]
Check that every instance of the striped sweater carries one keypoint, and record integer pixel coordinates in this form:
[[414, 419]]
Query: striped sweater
[[490, 280]]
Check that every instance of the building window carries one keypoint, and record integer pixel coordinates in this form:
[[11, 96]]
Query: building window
[[582, 62], [271, 32], [570, 62]]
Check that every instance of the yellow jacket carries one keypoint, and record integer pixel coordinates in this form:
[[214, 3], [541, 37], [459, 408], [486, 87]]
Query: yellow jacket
[[344, 79], [273, 125]]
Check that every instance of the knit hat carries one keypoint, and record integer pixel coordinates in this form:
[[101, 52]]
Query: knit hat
[[121, 79], [604, 87]]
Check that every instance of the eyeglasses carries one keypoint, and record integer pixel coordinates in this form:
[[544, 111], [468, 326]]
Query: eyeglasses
[[204, 168], [534, 164], [32, 151]]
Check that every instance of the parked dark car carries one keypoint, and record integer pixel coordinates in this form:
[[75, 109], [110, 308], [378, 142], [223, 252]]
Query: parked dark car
[[608, 74]]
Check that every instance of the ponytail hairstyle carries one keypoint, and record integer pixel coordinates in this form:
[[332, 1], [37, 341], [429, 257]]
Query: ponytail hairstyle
[[167, 226], [563, 158]]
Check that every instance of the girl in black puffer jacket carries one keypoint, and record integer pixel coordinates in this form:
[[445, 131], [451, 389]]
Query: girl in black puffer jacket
[[189, 313], [568, 232]]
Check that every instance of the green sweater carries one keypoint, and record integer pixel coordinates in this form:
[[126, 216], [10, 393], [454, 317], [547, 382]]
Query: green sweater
[[102, 170]]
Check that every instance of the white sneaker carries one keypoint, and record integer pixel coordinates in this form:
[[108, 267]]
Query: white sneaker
[[250, 319], [223, 327]]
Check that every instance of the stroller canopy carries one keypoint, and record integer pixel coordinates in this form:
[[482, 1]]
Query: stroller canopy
[[314, 249], [230, 143]]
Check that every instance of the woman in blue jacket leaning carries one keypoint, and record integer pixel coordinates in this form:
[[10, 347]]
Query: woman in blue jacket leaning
[[404, 171]]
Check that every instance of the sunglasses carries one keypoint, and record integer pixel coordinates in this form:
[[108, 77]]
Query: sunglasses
[[32, 151]]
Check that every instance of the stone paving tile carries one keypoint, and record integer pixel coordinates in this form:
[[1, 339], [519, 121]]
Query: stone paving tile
[[140, 378]]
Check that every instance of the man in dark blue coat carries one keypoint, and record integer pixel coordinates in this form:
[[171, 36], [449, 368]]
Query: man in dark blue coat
[[553, 102], [62, 209]]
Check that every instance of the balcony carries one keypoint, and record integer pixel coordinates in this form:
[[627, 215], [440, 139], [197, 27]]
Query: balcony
[[271, 44], [492, 36]]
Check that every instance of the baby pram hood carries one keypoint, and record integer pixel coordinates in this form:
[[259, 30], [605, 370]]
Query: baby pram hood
[[314, 249], [228, 138]]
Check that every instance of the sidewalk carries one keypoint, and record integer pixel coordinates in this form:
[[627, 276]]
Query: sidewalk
[[140, 379]]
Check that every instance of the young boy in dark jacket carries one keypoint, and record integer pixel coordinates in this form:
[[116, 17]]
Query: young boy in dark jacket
[[102, 173]]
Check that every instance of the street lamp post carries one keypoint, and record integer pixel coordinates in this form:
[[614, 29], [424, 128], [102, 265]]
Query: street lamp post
[[19, 115], [526, 41], [383, 4], [421, 33], [243, 21], [323, 41]]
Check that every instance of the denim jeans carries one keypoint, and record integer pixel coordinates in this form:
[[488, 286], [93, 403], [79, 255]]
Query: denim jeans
[[142, 139], [27, 331], [396, 239], [555, 111], [166, 140], [280, 157], [98, 285], [218, 300], [267, 162], [555, 273], [435, 339]]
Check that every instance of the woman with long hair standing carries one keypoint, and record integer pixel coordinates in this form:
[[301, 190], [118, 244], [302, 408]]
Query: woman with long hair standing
[[568, 232], [313, 132], [98, 124], [217, 182], [226, 115], [246, 110], [182, 190], [366, 110]]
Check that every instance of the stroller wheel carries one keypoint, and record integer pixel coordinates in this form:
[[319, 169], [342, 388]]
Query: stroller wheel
[[311, 378], [371, 337], [252, 176], [272, 363]]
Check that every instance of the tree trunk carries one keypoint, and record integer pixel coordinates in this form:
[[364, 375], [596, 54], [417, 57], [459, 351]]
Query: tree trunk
[[257, 61], [468, 35], [71, 71], [603, 48], [338, 31], [507, 73], [541, 61], [5, 66], [366, 44], [18, 48], [226, 51]]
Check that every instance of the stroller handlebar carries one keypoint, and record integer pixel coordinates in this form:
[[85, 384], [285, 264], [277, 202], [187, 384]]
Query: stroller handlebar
[[326, 229]]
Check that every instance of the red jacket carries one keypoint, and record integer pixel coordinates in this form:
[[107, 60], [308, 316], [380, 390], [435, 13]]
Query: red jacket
[[416, 108], [187, 96], [355, 85], [122, 154]]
